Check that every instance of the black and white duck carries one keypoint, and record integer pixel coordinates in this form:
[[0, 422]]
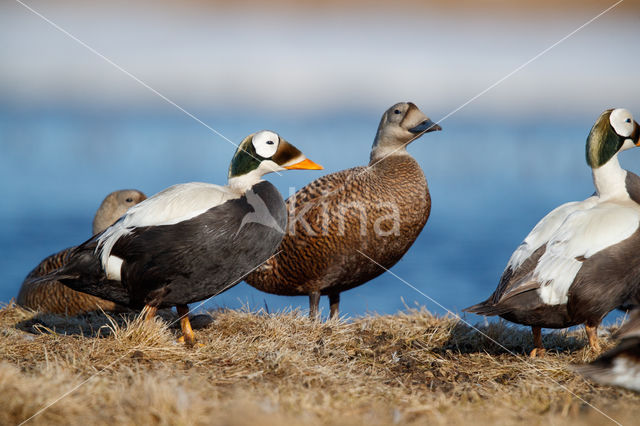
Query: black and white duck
[[54, 297], [348, 226], [580, 261], [621, 365], [190, 241]]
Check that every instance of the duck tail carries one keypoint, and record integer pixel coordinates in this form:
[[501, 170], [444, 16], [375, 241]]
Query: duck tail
[[51, 276], [485, 308], [74, 264]]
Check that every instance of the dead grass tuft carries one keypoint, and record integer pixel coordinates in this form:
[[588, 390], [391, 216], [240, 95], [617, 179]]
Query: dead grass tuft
[[256, 367]]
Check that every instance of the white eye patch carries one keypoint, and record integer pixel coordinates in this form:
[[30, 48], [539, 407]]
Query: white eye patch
[[622, 122], [266, 143]]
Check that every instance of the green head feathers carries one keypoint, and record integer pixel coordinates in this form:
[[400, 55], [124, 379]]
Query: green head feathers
[[245, 158], [615, 130], [602, 142]]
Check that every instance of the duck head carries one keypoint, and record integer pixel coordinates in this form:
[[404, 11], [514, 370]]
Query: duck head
[[614, 131], [115, 205], [400, 125], [261, 153]]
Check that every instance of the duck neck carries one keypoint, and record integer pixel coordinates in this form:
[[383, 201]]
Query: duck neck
[[386, 146], [242, 183], [610, 179]]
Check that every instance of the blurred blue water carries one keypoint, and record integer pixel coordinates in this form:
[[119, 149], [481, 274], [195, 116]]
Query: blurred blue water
[[491, 180]]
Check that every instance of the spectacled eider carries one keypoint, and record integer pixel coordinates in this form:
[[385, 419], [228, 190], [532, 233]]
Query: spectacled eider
[[54, 297], [621, 365], [581, 260], [190, 241], [378, 210]]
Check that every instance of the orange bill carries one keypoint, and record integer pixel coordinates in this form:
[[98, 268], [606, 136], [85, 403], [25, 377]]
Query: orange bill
[[305, 164]]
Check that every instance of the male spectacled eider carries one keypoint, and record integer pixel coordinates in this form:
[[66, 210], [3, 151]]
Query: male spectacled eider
[[621, 365], [340, 219], [581, 260], [53, 296], [190, 241]]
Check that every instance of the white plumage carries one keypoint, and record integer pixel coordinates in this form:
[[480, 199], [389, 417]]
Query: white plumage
[[544, 230], [113, 268], [583, 233], [265, 143]]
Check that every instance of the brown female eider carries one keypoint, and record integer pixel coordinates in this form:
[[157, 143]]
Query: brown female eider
[[339, 220], [621, 365], [190, 241], [53, 296], [580, 261]]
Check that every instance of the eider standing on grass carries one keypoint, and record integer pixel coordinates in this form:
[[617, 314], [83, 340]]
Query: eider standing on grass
[[581, 260], [347, 227], [621, 365], [54, 297], [190, 241]]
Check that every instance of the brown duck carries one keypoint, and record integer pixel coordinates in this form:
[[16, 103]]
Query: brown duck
[[53, 296], [346, 228]]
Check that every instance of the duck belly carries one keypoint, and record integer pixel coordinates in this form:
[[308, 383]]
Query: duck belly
[[547, 316]]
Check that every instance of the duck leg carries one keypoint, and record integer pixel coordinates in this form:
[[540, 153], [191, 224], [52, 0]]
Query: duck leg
[[334, 301], [149, 312], [592, 335], [538, 349], [188, 337], [314, 304]]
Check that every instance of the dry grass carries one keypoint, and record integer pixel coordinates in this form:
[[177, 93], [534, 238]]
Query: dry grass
[[257, 368]]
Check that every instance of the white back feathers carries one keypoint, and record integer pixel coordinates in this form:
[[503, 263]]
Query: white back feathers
[[545, 229]]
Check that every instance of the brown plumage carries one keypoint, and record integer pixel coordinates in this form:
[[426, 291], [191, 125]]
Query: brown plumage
[[55, 297], [339, 220]]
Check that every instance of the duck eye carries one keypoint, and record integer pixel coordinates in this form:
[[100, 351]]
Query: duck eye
[[265, 143], [397, 111], [129, 200], [628, 120]]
